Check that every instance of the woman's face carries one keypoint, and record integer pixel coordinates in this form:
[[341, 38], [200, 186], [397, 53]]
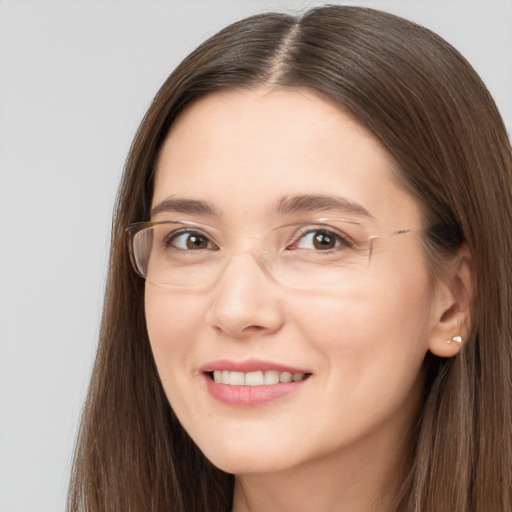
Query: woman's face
[[293, 300]]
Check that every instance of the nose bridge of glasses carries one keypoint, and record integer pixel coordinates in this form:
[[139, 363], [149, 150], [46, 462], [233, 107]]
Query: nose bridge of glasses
[[249, 257]]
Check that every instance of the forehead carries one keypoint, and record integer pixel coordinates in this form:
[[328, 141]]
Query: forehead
[[242, 150]]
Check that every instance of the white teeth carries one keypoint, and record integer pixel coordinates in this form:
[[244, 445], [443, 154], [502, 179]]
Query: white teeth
[[258, 378], [254, 379], [285, 377], [271, 377], [237, 378]]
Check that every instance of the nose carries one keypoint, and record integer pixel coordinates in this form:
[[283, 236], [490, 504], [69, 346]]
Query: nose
[[245, 300]]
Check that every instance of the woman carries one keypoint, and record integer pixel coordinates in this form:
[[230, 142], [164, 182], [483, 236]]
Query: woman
[[318, 208]]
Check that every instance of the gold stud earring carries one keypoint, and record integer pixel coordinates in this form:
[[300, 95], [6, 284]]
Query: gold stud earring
[[455, 339]]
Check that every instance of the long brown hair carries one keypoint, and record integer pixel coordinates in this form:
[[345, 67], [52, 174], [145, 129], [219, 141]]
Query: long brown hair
[[425, 104]]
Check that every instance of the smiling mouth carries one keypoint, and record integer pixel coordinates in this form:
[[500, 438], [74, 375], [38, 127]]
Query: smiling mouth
[[257, 378]]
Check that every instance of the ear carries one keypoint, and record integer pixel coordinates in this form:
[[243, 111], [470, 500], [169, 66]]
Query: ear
[[453, 306]]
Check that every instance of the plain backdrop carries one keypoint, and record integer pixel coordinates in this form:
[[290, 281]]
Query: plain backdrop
[[75, 79]]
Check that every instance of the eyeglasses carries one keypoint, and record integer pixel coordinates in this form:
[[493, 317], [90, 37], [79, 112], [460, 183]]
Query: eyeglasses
[[317, 255]]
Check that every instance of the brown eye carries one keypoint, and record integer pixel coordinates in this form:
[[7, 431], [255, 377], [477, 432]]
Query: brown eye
[[190, 241], [321, 240], [324, 240], [196, 242]]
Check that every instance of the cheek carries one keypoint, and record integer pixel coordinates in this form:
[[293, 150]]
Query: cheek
[[380, 329], [172, 324]]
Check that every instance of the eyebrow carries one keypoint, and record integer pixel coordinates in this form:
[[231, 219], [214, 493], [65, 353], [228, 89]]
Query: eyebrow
[[306, 203], [317, 203], [179, 205]]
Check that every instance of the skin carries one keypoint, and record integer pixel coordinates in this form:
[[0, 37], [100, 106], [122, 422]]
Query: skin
[[339, 442]]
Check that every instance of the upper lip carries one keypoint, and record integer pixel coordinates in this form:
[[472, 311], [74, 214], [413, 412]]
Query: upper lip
[[249, 365]]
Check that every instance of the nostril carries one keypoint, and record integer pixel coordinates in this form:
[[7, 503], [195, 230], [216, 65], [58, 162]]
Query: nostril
[[253, 328]]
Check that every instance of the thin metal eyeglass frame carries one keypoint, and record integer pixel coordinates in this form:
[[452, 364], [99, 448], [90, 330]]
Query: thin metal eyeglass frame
[[136, 227]]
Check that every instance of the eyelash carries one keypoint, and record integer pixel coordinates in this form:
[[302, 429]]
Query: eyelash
[[341, 240], [171, 237]]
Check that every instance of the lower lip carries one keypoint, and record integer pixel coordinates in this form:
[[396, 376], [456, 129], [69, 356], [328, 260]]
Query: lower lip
[[250, 396]]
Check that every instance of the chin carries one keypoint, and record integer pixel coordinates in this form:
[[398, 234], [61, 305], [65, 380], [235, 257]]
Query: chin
[[253, 466], [247, 458]]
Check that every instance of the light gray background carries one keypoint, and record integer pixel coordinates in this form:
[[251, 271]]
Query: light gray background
[[75, 79]]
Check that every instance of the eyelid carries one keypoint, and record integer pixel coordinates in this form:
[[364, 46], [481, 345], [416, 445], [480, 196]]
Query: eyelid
[[172, 238], [186, 231], [302, 227], [188, 228], [326, 224], [324, 221], [190, 224], [343, 238]]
